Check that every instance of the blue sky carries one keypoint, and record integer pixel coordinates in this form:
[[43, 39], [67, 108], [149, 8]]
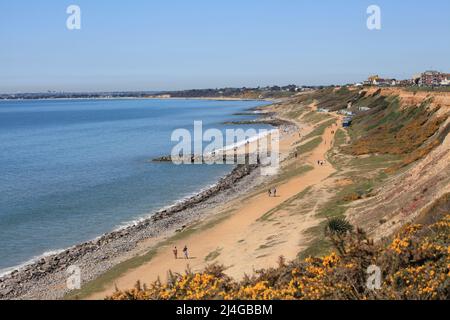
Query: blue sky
[[180, 44]]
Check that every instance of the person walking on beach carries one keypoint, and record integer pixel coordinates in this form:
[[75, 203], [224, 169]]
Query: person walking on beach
[[175, 253], [185, 251], [275, 192], [270, 192]]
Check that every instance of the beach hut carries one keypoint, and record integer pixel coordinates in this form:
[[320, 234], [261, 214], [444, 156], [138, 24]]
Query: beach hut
[[347, 122]]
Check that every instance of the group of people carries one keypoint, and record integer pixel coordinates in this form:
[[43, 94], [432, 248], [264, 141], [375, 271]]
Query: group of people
[[185, 252], [321, 162], [272, 192]]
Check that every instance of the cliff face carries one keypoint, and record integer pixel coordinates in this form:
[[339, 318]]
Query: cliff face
[[392, 162], [416, 127]]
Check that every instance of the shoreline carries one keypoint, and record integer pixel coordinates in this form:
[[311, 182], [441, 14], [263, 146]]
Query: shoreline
[[44, 277]]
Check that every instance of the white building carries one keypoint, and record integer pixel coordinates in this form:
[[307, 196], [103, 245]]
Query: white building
[[445, 82]]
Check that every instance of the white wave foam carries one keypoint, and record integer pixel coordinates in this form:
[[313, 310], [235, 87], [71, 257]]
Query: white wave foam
[[244, 142], [7, 271]]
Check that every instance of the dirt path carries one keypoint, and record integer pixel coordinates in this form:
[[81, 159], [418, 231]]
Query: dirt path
[[238, 241]]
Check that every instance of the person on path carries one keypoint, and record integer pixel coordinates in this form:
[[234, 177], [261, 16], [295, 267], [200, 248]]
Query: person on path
[[185, 251], [270, 192], [175, 253], [275, 192]]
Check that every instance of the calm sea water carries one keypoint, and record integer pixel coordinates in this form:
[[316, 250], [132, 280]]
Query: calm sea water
[[73, 170]]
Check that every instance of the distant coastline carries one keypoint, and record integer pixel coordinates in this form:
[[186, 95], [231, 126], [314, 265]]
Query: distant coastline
[[266, 93], [145, 98]]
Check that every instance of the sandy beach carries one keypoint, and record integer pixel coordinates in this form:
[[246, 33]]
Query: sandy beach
[[224, 238], [243, 240]]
